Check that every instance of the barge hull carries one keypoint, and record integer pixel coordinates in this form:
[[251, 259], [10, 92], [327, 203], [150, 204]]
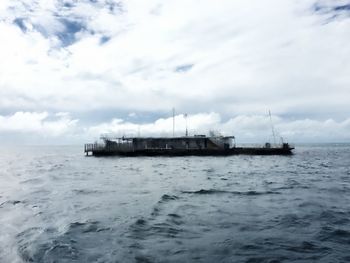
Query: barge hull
[[196, 152]]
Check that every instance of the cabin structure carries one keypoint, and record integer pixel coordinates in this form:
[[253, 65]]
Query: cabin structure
[[135, 144]]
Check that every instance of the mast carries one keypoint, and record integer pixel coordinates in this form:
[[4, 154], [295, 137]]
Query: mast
[[272, 128], [173, 122]]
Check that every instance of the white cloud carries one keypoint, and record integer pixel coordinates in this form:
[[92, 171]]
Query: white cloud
[[162, 126], [38, 123], [41, 127], [246, 56], [246, 128]]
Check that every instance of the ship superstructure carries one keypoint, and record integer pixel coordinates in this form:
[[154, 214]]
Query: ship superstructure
[[179, 146]]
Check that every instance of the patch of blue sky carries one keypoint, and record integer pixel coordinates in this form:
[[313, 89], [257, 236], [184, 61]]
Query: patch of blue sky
[[71, 27]]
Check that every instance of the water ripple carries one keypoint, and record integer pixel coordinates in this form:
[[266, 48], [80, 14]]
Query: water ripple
[[58, 206]]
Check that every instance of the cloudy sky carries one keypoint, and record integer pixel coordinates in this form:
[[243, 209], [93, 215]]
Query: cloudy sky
[[73, 69]]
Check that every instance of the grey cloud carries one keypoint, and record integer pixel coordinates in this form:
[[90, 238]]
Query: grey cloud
[[342, 8], [334, 9], [330, 7], [112, 5], [115, 7], [104, 39], [68, 4], [20, 22], [184, 68]]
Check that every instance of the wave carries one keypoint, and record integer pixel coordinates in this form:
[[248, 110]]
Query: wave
[[49, 245], [334, 234], [216, 191], [11, 202], [167, 197]]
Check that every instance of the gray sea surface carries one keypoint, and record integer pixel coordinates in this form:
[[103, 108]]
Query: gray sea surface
[[56, 205]]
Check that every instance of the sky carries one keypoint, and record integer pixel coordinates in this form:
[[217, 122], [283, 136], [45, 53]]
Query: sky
[[72, 70]]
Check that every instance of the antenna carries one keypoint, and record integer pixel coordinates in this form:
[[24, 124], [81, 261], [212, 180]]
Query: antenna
[[186, 124], [173, 122], [272, 128]]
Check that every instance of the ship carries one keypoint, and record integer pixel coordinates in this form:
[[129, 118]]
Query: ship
[[196, 145]]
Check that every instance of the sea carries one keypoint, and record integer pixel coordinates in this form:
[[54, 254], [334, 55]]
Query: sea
[[57, 205]]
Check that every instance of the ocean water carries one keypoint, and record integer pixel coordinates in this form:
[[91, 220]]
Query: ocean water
[[56, 205]]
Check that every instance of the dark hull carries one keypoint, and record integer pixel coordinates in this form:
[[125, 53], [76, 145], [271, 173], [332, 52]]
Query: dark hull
[[197, 152]]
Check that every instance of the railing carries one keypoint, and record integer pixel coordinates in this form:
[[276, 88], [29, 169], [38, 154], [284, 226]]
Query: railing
[[118, 147], [91, 147]]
